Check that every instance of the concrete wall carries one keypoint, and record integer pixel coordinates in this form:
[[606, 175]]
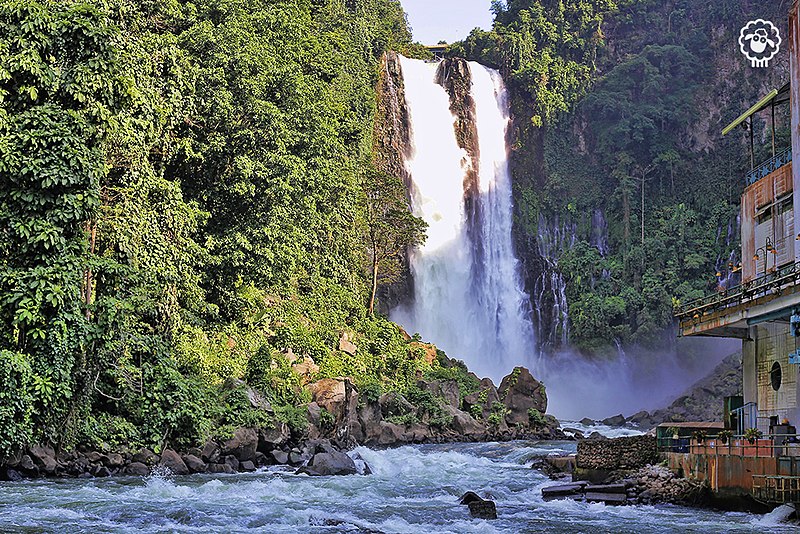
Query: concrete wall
[[773, 343], [729, 475]]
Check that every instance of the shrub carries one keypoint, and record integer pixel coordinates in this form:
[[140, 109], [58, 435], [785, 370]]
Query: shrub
[[16, 401]]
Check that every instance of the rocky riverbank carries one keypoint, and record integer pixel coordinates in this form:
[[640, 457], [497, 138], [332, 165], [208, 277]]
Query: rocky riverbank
[[338, 418]]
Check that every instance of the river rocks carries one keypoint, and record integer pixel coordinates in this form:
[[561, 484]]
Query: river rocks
[[45, 458], [444, 389], [479, 507], [330, 463], [481, 401], [146, 456], [242, 445], [276, 436], [393, 404], [195, 464], [587, 422], [464, 424], [211, 452], [521, 392], [657, 484], [172, 461], [346, 345], [137, 469], [616, 420], [280, 457]]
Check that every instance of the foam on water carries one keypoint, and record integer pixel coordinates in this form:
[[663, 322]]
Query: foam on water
[[413, 489]]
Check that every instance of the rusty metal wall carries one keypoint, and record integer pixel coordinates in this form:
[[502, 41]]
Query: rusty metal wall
[[794, 69], [727, 474]]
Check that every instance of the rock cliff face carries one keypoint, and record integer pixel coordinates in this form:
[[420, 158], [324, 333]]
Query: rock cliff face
[[703, 400]]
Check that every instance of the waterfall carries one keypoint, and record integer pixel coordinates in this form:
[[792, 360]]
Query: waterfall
[[468, 294]]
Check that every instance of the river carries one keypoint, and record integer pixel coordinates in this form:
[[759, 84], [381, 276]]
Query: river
[[413, 489]]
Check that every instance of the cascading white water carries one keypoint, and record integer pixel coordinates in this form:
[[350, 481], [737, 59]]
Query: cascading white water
[[468, 296]]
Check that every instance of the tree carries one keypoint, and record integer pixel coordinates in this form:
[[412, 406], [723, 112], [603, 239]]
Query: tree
[[391, 229]]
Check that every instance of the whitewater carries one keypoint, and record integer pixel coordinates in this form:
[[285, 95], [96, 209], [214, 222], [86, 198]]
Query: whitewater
[[412, 489]]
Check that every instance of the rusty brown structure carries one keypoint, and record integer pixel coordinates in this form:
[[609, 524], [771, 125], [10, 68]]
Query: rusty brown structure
[[761, 455]]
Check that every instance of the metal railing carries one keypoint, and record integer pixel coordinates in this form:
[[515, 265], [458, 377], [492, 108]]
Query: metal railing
[[776, 488], [771, 165], [771, 283], [771, 446]]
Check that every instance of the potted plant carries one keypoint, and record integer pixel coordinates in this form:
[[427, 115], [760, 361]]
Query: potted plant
[[752, 434], [699, 435], [725, 436]]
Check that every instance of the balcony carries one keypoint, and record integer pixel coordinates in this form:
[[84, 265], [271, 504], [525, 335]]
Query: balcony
[[725, 313], [768, 167]]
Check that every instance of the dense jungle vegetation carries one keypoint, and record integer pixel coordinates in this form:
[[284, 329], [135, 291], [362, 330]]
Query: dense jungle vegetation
[[619, 107], [187, 201]]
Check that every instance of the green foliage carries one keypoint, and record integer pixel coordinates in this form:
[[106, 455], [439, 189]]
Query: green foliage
[[498, 414], [536, 418], [16, 401], [294, 416], [326, 420]]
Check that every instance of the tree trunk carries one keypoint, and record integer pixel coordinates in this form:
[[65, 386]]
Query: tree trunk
[[374, 286]]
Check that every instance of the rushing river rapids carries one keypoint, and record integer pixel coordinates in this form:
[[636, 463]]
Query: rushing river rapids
[[412, 489]]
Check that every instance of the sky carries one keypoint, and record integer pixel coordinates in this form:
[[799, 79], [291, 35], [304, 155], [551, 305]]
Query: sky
[[446, 20]]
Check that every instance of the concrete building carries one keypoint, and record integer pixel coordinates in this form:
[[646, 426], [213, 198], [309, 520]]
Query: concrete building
[[761, 311]]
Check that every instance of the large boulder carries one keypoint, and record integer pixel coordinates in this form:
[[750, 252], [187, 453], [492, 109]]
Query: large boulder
[[173, 461], [195, 464], [394, 404], [521, 392], [45, 458], [331, 463], [242, 445], [339, 397], [615, 420], [270, 438], [464, 424], [370, 417]]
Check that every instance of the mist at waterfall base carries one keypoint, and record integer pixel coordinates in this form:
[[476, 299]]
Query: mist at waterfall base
[[468, 293], [632, 380]]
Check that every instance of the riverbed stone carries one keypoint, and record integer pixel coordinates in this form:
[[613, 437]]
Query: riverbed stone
[[137, 469], [242, 445], [195, 464], [277, 436], [44, 457], [172, 461], [280, 456], [220, 469], [616, 420], [247, 466], [211, 452], [331, 463], [145, 456]]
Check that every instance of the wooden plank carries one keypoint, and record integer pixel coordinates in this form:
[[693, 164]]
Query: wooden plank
[[607, 488]]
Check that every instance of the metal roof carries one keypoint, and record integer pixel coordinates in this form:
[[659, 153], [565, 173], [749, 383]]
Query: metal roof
[[779, 96]]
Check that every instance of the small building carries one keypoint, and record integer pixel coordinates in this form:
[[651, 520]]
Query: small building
[[763, 311]]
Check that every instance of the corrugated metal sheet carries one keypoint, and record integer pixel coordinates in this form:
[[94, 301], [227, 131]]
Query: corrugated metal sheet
[[794, 68]]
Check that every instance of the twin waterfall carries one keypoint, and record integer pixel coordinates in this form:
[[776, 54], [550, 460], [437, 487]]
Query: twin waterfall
[[468, 296]]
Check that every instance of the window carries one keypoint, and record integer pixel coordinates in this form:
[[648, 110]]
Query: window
[[775, 376]]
